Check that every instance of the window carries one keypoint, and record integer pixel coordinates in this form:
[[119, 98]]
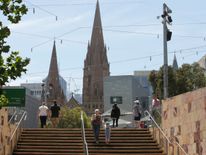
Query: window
[[116, 99]]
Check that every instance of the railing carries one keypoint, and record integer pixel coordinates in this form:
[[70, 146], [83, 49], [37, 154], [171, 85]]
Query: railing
[[165, 141], [85, 145], [12, 142], [14, 115]]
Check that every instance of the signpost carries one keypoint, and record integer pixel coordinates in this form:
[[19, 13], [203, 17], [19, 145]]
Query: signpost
[[15, 95]]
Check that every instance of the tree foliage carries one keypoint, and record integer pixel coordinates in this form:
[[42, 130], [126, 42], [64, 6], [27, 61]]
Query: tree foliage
[[186, 78], [71, 118], [11, 64], [3, 101]]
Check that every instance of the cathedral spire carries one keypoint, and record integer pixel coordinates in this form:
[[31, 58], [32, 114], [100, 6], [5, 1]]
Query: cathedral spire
[[97, 27], [175, 65], [53, 87], [96, 67], [53, 69]]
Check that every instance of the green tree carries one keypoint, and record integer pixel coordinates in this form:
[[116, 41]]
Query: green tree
[[190, 77], [11, 64], [3, 101], [156, 80], [71, 118], [186, 78]]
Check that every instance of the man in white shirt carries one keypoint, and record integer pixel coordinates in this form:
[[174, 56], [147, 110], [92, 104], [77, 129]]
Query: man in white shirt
[[43, 113]]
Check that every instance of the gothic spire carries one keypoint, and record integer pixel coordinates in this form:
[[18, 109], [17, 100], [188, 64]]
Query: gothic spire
[[97, 27], [175, 65], [53, 69], [96, 67], [52, 82]]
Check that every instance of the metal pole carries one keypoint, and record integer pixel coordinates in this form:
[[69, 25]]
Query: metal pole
[[165, 54]]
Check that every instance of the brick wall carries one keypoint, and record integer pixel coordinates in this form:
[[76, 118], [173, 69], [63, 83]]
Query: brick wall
[[184, 118]]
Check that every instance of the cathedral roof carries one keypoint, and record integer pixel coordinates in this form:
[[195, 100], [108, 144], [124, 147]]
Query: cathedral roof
[[72, 103]]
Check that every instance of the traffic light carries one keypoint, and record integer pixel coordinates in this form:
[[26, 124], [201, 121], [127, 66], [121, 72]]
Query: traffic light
[[169, 35]]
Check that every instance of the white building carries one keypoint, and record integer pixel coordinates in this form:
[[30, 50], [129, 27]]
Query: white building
[[35, 89]]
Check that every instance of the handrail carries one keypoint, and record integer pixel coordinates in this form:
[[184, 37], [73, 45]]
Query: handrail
[[23, 115], [12, 116], [160, 129], [86, 152], [157, 126]]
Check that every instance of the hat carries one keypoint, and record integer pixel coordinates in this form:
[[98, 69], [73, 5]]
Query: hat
[[136, 101], [96, 110]]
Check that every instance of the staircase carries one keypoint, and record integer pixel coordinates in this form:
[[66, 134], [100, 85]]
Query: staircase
[[127, 141], [69, 142], [50, 142]]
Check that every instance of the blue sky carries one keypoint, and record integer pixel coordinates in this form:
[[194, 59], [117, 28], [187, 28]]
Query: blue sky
[[132, 33]]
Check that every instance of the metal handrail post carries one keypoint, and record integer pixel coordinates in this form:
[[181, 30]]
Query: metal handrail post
[[12, 116], [18, 124]]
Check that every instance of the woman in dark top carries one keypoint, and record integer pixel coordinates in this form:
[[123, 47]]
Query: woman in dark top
[[115, 113]]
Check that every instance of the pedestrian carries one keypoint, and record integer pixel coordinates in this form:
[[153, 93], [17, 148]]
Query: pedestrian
[[137, 113], [55, 109], [107, 132], [115, 113], [43, 114], [96, 123]]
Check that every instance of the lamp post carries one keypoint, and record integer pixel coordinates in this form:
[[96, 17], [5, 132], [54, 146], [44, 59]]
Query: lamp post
[[43, 94], [166, 37]]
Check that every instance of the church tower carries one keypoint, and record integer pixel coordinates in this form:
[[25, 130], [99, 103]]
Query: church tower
[[96, 67], [175, 65], [52, 89]]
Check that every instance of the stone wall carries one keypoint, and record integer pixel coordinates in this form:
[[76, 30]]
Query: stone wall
[[6, 130], [184, 119]]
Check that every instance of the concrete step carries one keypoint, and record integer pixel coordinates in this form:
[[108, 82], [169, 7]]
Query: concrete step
[[69, 142]]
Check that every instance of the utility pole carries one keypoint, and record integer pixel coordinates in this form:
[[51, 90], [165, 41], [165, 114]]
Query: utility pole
[[166, 37]]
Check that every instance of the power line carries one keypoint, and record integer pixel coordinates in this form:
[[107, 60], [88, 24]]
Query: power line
[[47, 37], [76, 29], [44, 10], [181, 51], [131, 32], [109, 30]]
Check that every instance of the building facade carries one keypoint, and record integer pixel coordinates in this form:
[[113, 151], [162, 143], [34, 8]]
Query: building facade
[[96, 67], [123, 90], [35, 89], [202, 62]]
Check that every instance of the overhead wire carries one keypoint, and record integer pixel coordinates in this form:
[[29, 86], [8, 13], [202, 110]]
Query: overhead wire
[[76, 29], [47, 37], [40, 8], [181, 51]]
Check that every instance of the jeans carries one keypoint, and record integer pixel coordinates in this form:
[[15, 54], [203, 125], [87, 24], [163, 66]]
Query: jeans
[[43, 121], [96, 129]]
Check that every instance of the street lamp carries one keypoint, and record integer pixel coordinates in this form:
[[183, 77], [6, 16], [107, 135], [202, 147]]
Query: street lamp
[[47, 92], [50, 93], [43, 94]]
